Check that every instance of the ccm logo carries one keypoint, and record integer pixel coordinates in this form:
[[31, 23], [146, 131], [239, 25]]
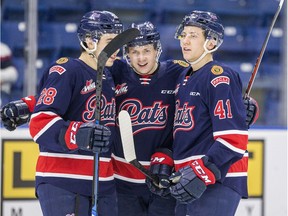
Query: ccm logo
[[201, 173], [73, 132], [167, 91]]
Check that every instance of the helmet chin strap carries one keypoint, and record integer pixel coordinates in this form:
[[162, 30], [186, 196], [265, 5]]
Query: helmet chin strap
[[206, 51], [90, 52]]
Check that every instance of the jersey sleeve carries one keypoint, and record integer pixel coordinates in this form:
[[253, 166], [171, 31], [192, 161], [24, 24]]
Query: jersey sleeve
[[49, 113], [227, 112]]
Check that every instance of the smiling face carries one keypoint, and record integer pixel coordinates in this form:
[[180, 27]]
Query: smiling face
[[143, 59]]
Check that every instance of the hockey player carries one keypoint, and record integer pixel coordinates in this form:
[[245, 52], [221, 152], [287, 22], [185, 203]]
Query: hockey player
[[63, 125], [210, 134], [145, 88]]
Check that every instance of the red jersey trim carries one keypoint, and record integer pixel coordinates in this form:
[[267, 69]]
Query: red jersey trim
[[40, 122], [71, 166], [126, 171]]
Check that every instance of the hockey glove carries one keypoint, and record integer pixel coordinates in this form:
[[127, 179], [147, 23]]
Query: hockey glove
[[161, 165], [191, 181], [252, 110], [14, 114], [85, 136]]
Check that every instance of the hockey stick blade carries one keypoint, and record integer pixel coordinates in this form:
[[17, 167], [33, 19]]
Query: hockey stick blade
[[129, 147], [259, 59], [115, 44]]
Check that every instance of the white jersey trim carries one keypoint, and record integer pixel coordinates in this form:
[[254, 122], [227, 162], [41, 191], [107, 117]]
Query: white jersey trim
[[144, 163], [132, 180], [236, 174], [73, 156], [219, 133], [195, 157], [61, 155], [61, 175], [72, 176]]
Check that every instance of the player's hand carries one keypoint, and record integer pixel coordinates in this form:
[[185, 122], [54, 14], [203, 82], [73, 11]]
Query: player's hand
[[191, 181], [94, 137], [161, 165], [14, 114], [252, 110], [85, 136]]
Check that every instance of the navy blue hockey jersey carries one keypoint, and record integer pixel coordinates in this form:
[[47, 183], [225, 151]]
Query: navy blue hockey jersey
[[68, 94], [210, 120], [151, 105]]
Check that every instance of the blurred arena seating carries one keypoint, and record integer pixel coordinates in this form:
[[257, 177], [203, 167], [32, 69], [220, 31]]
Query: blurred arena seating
[[246, 25], [127, 10]]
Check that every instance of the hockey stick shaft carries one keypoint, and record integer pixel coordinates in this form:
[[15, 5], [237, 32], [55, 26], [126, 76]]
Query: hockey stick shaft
[[259, 59], [103, 57], [145, 171]]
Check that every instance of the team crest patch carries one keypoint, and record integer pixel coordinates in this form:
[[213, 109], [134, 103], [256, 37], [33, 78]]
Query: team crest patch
[[217, 70], [121, 89], [62, 60], [181, 63], [58, 69], [89, 86], [219, 80]]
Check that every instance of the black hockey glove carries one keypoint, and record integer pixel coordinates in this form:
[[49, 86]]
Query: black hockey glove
[[85, 136], [191, 181], [14, 114], [161, 165], [252, 110]]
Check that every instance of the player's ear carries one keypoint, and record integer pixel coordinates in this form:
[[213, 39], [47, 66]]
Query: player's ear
[[211, 44]]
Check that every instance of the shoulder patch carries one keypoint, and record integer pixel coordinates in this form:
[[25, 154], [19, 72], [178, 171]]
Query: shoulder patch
[[58, 69], [181, 63], [62, 60], [217, 70], [220, 80]]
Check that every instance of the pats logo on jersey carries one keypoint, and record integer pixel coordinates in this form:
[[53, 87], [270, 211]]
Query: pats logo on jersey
[[183, 119], [89, 86], [217, 70], [154, 117], [121, 89], [58, 69]]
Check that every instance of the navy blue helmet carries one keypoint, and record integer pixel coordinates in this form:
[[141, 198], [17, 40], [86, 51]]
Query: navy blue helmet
[[148, 34], [96, 23], [208, 21]]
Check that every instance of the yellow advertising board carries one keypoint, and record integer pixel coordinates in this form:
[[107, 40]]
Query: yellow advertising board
[[18, 171], [255, 168]]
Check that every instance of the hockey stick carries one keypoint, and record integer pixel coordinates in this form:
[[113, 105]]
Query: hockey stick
[[103, 57], [128, 145], [259, 59]]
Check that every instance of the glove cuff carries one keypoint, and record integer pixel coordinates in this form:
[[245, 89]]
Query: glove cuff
[[30, 102], [162, 156], [67, 136], [205, 170], [212, 167]]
